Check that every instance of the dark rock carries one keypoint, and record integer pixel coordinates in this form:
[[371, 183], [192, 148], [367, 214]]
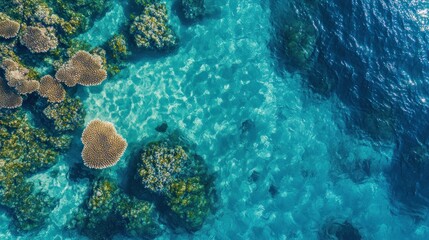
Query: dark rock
[[273, 190], [339, 231], [162, 128], [254, 176], [246, 126]]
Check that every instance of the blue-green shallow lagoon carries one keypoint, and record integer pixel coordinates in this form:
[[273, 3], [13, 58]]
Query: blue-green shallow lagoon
[[223, 74]]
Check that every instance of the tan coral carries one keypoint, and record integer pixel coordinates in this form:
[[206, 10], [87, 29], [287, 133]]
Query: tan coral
[[50, 88], [17, 77], [9, 28], [83, 68], [8, 98], [38, 40], [28, 86], [103, 146]]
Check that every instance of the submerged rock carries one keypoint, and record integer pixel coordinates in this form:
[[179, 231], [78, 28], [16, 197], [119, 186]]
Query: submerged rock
[[162, 128], [333, 230]]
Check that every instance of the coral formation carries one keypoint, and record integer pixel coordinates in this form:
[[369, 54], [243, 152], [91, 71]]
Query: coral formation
[[103, 146], [299, 39], [109, 211], [139, 217], [8, 98], [38, 40], [181, 180], [193, 9], [9, 28], [50, 88], [83, 68], [25, 150], [118, 47], [189, 200], [17, 76], [65, 116], [151, 29], [160, 166]]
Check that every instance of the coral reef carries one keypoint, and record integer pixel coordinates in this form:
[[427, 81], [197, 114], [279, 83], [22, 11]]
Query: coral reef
[[151, 29], [65, 116], [118, 47], [193, 9], [189, 200], [83, 68], [139, 217], [8, 98], [160, 166], [103, 146], [17, 76], [50, 88], [25, 150], [109, 211], [299, 38], [9, 28], [181, 181], [38, 40]]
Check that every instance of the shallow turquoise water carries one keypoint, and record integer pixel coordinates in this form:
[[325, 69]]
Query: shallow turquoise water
[[222, 75]]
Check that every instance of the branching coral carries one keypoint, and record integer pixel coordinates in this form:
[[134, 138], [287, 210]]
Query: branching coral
[[9, 28], [38, 40], [8, 98], [160, 165], [17, 77], [151, 29], [50, 88], [103, 147], [65, 116], [83, 68]]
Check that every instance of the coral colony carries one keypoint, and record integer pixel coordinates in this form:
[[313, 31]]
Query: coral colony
[[41, 34]]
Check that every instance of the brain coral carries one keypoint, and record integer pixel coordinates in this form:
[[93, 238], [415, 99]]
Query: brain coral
[[8, 98], [9, 28], [103, 146], [51, 89], [38, 40], [83, 68]]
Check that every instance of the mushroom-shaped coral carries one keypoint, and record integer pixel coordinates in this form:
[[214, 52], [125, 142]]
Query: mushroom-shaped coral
[[38, 40], [17, 77], [9, 28], [51, 89], [8, 98], [103, 146], [83, 68], [151, 29]]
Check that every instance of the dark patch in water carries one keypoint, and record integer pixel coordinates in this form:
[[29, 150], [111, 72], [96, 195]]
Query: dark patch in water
[[254, 176], [273, 190], [333, 230], [162, 128]]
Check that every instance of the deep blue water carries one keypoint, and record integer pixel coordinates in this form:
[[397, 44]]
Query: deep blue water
[[343, 140]]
